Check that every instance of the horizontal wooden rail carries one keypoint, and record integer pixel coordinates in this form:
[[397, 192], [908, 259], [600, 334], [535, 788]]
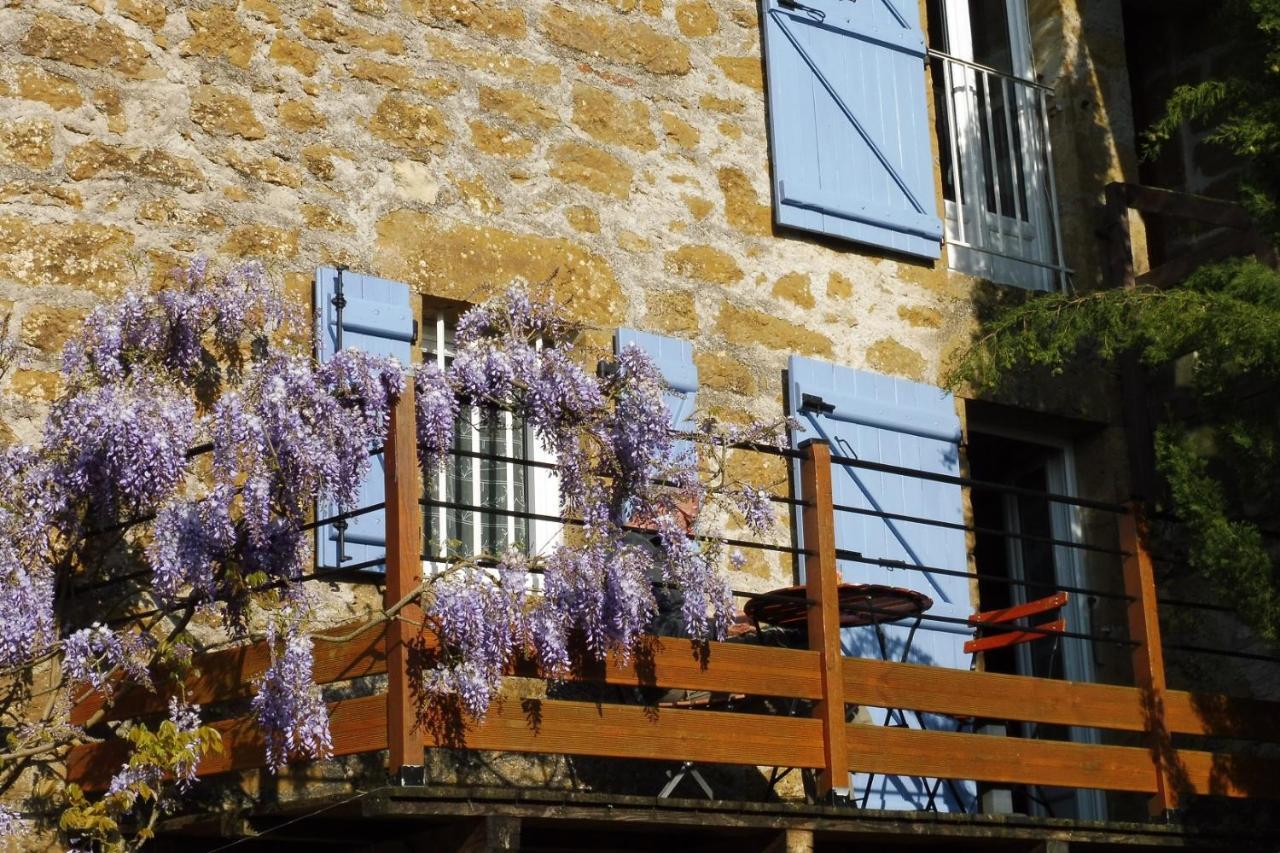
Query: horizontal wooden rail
[[990, 758], [1215, 715], [355, 725], [961, 693], [635, 731], [668, 662], [231, 673]]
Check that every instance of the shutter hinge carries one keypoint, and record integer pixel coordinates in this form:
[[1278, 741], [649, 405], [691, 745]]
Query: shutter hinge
[[815, 403], [816, 14], [413, 341], [339, 302]]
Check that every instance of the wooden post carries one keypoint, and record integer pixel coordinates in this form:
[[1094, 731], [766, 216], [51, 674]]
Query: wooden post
[[821, 580], [404, 575], [1148, 655]]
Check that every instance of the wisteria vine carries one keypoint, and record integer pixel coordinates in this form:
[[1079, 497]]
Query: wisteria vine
[[180, 467]]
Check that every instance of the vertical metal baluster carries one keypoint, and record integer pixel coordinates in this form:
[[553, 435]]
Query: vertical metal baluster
[[995, 166], [339, 302], [1009, 94]]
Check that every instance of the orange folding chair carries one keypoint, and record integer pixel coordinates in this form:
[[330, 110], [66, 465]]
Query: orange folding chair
[[1003, 618], [1003, 632]]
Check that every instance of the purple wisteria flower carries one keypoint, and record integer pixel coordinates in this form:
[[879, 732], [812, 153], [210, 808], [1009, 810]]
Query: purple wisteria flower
[[288, 704], [122, 443], [91, 655], [11, 825], [437, 414]]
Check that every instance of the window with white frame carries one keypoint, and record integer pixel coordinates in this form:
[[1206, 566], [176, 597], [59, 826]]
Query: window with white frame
[[1001, 217], [480, 501]]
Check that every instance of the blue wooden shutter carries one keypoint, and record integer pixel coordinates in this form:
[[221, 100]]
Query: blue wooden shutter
[[876, 418], [377, 317], [674, 358], [849, 129]]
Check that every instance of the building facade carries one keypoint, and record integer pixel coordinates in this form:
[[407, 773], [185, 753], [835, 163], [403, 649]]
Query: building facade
[[783, 202]]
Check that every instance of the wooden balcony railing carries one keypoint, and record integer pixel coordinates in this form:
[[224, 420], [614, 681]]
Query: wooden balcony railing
[[827, 682]]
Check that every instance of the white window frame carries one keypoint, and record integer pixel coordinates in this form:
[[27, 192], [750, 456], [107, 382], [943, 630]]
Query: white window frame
[[1023, 246], [541, 483]]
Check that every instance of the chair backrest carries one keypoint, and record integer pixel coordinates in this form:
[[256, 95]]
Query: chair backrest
[[1008, 615]]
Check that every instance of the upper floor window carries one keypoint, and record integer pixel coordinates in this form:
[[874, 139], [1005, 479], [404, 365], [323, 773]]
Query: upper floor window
[[850, 135], [480, 501], [992, 130]]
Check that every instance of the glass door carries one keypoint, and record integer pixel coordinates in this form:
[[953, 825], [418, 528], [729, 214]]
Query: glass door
[[1027, 538]]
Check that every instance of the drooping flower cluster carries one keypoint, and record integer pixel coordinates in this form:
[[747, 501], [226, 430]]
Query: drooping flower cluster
[[91, 655], [29, 507], [288, 705], [632, 483], [123, 444], [483, 618]]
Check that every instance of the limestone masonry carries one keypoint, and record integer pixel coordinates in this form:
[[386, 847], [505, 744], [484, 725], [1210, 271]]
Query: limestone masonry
[[617, 148]]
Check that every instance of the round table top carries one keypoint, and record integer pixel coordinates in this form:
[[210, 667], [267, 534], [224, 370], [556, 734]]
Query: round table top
[[860, 604]]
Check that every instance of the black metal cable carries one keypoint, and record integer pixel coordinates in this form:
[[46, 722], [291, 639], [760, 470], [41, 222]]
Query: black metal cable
[[1194, 605], [343, 516], [1206, 650], [979, 484], [856, 557], [577, 522], [992, 531]]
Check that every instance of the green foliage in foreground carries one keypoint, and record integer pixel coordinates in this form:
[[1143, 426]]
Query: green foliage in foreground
[[1218, 449]]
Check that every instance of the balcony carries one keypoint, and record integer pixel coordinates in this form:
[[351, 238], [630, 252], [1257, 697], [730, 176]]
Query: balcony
[[792, 708], [998, 185]]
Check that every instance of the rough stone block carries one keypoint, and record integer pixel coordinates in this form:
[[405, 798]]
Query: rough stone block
[[27, 142], [99, 45], [294, 54], [460, 261], [517, 106], [225, 113], [218, 33], [608, 118], [748, 326], [704, 263], [794, 287], [480, 15], [591, 167], [36, 84], [888, 356], [628, 42], [77, 254], [696, 18], [418, 128], [742, 206], [98, 160]]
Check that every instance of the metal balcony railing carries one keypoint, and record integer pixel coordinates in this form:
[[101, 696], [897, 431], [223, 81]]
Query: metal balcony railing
[[1002, 220]]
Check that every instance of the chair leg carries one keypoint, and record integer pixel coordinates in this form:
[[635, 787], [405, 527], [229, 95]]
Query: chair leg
[[686, 769]]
